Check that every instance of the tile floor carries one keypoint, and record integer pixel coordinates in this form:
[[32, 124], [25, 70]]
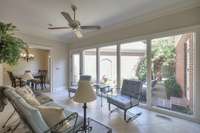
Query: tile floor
[[148, 122]]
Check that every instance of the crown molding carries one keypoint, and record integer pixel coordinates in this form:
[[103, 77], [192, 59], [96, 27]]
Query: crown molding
[[37, 40]]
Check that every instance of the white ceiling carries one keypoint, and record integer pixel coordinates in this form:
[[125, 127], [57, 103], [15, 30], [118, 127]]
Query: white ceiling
[[33, 16]]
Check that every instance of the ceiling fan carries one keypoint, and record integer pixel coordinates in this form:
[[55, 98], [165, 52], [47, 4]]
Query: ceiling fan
[[74, 24]]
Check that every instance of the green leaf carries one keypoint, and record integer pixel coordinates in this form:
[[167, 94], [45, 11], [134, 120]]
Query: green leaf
[[10, 46]]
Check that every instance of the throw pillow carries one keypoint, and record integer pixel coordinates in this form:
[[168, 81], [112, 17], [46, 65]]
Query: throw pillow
[[28, 96], [52, 115], [27, 90]]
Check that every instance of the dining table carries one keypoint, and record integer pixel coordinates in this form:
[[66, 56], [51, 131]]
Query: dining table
[[35, 76]]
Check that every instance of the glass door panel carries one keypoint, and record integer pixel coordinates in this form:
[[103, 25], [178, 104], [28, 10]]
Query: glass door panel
[[134, 64], [108, 65], [75, 68], [172, 73], [89, 56]]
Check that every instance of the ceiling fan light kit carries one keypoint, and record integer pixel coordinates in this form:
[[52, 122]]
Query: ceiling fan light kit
[[74, 24], [78, 33]]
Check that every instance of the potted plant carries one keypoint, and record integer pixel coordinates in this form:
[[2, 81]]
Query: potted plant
[[172, 88], [10, 46]]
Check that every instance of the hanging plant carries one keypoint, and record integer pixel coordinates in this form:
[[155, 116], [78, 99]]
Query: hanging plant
[[10, 46]]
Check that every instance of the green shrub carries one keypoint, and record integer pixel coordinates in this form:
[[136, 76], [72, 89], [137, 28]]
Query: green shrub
[[172, 87], [141, 71]]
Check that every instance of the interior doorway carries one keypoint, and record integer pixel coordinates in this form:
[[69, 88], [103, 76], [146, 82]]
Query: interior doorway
[[39, 65]]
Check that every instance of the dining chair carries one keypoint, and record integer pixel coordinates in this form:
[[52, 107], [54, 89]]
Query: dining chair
[[43, 74], [15, 81]]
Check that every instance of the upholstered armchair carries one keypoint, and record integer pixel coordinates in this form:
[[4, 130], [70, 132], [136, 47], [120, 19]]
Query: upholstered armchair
[[128, 98]]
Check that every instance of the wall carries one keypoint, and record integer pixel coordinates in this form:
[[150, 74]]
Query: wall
[[40, 61], [59, 59], [197, 75]]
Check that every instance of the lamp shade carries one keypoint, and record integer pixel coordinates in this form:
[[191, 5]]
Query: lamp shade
[[28, 76], [85, 92]]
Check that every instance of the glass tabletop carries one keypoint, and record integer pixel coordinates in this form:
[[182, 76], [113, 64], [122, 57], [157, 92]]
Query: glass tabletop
[[98, 127]]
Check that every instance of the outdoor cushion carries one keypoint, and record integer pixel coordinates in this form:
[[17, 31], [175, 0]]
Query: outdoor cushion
[[123, 101]]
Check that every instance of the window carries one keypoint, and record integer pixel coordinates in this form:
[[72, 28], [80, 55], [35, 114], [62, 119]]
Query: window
[[90, 63], [134, 64], [172, 73], [75, 68]]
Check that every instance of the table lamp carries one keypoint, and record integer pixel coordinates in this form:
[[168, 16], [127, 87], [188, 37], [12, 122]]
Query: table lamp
[[85, 93]]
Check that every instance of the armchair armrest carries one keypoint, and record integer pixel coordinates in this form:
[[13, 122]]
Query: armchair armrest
[[56, 127], [132, 100]]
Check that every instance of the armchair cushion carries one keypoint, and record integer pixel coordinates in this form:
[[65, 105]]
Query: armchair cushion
[[52, 115], [42, 98], [32, 116], [131, 88], [25, 89], [122, 101], [67, 113], [24, 93]]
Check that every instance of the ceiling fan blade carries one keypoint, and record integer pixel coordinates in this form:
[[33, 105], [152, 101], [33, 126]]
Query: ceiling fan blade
[[55, 28], [78, 33], [67, 17], [95, 27]]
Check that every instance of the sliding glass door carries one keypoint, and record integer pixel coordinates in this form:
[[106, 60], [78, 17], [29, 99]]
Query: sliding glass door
[[169, 68], [133, 64], [172, 73], [75, 68], [89, 63], [108, 65]]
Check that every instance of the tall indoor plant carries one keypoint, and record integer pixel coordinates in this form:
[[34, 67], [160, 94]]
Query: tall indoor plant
[[10, 46]]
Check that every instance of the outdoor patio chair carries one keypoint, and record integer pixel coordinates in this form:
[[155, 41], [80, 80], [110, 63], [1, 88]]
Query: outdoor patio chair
[[129, 97], [73, 88], [144, 89]]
